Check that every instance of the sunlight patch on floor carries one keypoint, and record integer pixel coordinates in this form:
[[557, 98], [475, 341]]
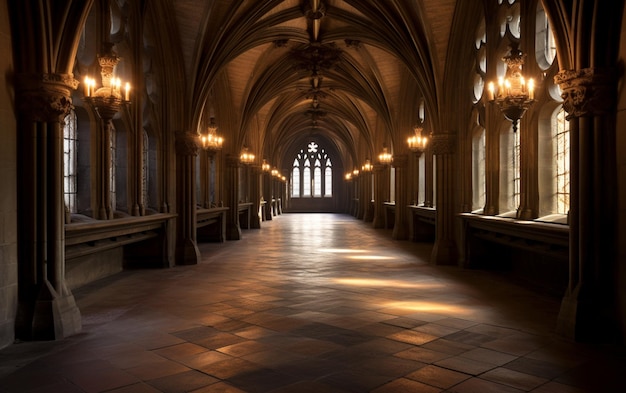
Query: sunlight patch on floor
[[378, 283]]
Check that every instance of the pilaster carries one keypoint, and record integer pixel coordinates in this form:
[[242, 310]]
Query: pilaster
[[589, 310], [46, 307], [400, 228], [187, 252], [231, 185], [444, 148]]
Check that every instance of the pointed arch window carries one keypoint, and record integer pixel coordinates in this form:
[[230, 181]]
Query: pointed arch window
[[311, 173], [561, 145], [70, 142]]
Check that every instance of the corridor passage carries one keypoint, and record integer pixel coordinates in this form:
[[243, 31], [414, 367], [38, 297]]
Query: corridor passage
[[312, 303]]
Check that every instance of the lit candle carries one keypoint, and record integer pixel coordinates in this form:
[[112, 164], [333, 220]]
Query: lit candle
[[531, 89], [86, 86], [492, 93], [523, 83], [127, 92], [507, 84]]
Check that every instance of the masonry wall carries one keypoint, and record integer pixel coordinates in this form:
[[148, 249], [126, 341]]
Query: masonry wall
[[8, 203]]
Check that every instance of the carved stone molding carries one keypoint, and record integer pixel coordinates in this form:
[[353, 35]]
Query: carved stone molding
[[186, 144], [587, 92], [444, 143], [44, 97]]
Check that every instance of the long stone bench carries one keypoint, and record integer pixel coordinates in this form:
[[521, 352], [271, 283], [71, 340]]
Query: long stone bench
[[537, 252], [98, 248]]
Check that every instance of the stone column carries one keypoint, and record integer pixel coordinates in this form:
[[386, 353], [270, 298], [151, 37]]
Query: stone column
[[444, 249], [186, 151], [46, 307], [380, 174], [267, 194], [255, 195], [589, 310], [368, 214], [231, 188], [400, 228]]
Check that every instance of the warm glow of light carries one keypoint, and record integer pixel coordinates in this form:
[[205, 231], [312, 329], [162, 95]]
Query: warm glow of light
[[369, 257], [425, 306], [372, 282], [341, 250]]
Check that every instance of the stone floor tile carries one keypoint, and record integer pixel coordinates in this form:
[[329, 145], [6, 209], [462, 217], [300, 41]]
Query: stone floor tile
[[448, 346], [465, 365], [436, 329], [489, 356], [406, 385], [182, 383], [513, 378], [220, 387], [438, 376], [477, 385], [412, 337], [422, 354]]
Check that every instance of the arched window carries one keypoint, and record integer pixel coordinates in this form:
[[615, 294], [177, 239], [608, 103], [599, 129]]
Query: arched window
[[509, 172], [312, 173], [478, 171], [295, 179], [70, 138], [560, 138]]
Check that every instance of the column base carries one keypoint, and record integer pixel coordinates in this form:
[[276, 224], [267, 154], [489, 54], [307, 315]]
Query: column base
[[444, 252], [187, 253], [584, 321], [49, 317]]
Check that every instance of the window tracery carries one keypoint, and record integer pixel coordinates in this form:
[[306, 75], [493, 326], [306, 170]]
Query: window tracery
[[311, 173]]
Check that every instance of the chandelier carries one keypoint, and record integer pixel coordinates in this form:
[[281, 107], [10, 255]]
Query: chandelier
[[367, 167], [210, 141], [513, 94], [385, 157], [107, 99], [417, 143], [246, 157]]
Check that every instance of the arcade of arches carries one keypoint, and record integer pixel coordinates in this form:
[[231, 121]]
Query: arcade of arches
[[105, 104]]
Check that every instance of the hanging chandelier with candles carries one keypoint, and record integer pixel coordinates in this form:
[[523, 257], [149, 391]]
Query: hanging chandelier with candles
[[108, 98], [385, 157], [417, 143], [246, 157], [367, 166], [513, 93], [210, 141]]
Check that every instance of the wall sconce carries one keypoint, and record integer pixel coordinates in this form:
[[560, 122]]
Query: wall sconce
[[417, 143], [283, 178], [355, 173], [348, 176], [367, 167], [210, 141], [385, 157], [265, 166], [275, 172], [513, 95], [107, 99], [246, 157]]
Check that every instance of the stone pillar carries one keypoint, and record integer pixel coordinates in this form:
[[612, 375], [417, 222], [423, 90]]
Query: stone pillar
[[186, 151], [268, 194], [231, 185], [381, 172], [444, 249], [46, 307], [589, 310], [255, 195], [368, 214], [400, 228]]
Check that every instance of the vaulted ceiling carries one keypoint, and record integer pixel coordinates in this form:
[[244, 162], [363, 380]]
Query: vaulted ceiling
[[341, 69]]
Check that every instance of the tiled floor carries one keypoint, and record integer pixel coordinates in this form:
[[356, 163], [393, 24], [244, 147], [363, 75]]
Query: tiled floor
[[312, 303]]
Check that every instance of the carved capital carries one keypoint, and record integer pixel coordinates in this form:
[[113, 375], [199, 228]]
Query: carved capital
[[44, 97], [587, 92], [186, 144], [444, 143]]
